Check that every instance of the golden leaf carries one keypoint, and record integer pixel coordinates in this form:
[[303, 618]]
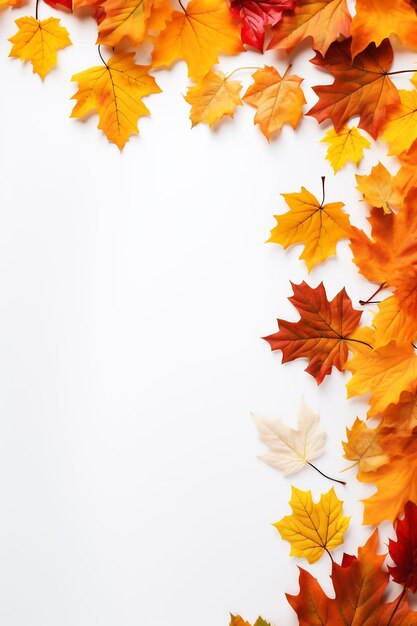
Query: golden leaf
[[344, 146], [213, 98]]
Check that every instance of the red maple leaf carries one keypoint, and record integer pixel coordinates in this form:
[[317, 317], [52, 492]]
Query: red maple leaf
[[256, 15], [404, 551], [321, 333], [60, 4]]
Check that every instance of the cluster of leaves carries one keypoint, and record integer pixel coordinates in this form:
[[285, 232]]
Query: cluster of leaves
[[356, 51]]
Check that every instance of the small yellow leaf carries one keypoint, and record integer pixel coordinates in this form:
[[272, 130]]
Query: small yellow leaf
[[115, 91], [379, 189], [318, 227], [313, 528], [38, 42], [346, 146], [213, 98], [278, 99]]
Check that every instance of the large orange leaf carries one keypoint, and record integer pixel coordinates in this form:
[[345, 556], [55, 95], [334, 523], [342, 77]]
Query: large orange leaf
[[115, 91], [323, 21], [278, 99], [124, 18], [205, 29], [315, 225], [359, 585], [322, 333], [361, 86], [376, 20]]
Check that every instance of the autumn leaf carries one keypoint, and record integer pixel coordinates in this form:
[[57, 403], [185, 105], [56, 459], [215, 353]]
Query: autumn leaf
[[214, 97], [324, 21], [383, 372], [321, 334], [291, 449], [392, 322], [313, 528], [403, 414], [316, 225], [361, 86], [359, 585], [115, 91], [390, 256], [400, 128], [60, 4], [124, 18], [364, 448], [257, 15], [4, 4], [205, 29], [345, 146], [376, 20], [379, 189], [236, 620], [38, 42], [278, 99], [404, 551]]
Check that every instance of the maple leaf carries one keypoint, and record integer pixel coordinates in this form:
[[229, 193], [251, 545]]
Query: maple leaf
[[345, 146], [201, 32], [290, 449], [236, 620], [317, 225], [278, 99], [38, 42], [359, 585], [363, 446], [404, 551], [403, 414], [376, 20], [115, 91], [379, 188], [400, 128], [390, 257], [361, 86], [60, 4], [321, 333], [322, 20], [214, 97], [392, 322], [256, 15], [124, 18], [4, 4], [383, 372], [313, 528]]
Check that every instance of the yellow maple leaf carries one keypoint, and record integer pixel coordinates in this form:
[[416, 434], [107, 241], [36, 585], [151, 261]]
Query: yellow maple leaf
[[392, 322], [376, 20], [10, 3], [205, 29], [324, 21], [346, 146], [363, 447], [383, 372], [214, 97], [316, 225], [115, 91], [400, 129], [161, 12], [278, 99], [313, 528], [379, 189], [38, 42], [124, 18]]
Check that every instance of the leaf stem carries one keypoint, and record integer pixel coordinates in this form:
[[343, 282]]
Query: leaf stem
[[37, 10], [364, 343], [397, 605], [400, 72], [369, 300], [329, 553], [101, 56], [341, 482], [182, 6], [323, 178], [239, 69]]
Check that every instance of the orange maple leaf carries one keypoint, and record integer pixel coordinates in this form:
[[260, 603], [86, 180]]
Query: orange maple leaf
[[321, 334], [376, 20], [361, 86], [323, 21], [205, 29], [278, 99]]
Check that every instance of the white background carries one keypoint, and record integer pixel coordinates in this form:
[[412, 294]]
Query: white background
[[135, 288]]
